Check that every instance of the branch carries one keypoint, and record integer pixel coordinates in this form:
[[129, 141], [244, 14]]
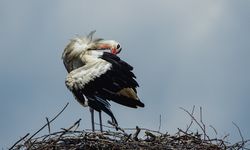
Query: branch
[[47, 124], [159, 128], [204, 126], [192, 120], [204, 132], [242, 139], [19, 141]]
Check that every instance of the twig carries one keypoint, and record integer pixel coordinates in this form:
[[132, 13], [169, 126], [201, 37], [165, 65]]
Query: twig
[[241, 136], [75, 124], [195, 121], [215, 131], [192, 120], [47, 119], [115, 126], [19, 141], [106, 126], [68, 129], [48, 122], [184, 132], [145, 129], [204, 126], [78, 124], [135, 136], [128, 137], [159, 128]]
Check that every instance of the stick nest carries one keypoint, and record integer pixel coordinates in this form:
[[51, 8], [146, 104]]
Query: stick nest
[[127, 138], [72, 139]]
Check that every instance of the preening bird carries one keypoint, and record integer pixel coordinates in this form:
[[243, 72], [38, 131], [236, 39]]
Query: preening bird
[[97, 75]]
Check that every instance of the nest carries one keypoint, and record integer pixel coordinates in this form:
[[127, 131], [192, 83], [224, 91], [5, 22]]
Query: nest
[[128, 138]]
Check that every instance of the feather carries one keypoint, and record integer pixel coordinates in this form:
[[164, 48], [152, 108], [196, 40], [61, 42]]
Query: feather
[[90, 35]]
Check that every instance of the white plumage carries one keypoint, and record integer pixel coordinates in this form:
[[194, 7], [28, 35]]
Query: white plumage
[[79, 77]]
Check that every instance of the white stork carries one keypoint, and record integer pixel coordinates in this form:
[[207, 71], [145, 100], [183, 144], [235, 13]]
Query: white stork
[[96, 74]]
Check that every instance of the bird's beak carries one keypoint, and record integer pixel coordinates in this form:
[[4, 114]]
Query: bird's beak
[[115, 51], [119, 50]]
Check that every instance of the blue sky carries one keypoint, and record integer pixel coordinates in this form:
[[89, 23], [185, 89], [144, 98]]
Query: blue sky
[[184, 53]]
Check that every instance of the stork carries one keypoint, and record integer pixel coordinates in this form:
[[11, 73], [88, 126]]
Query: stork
[[97, 75]]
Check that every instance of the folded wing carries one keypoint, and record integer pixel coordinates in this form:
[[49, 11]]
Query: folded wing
[[108, 78]]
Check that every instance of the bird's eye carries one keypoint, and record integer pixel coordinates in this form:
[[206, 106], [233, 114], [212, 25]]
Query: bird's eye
[[118, 46]]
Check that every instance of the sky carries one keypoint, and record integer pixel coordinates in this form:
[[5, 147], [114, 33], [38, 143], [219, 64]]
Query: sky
[[184, 53]]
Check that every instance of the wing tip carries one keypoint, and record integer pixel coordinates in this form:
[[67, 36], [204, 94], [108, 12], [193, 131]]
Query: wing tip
[[140, 104]]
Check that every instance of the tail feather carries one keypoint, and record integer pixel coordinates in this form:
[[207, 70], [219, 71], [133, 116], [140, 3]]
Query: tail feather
[[100, 106]]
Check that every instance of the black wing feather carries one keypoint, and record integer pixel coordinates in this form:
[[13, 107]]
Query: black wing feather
[[120, 76]]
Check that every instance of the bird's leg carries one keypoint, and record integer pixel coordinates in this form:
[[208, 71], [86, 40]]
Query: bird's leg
[[92, 118], [100, 118]]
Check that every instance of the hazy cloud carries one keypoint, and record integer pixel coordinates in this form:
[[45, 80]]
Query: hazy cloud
[[184, 54]]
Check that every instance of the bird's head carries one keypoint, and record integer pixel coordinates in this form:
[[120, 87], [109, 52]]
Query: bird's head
[[106, 45], [81, 45]]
